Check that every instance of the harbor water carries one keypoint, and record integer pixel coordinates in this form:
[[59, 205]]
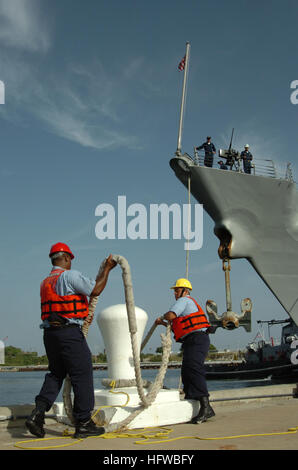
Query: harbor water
[[17, 388]]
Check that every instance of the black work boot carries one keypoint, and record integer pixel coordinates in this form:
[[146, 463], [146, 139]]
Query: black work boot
[[206, 411], [35, 423], [87, 429]]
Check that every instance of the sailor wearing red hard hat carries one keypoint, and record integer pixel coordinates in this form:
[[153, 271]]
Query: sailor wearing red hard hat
[[60, 248], [64, 306]]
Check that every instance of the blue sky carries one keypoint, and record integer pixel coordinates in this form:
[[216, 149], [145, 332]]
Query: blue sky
[[92, 97]]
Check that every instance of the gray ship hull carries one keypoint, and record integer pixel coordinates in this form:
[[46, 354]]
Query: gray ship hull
[[256, 218]]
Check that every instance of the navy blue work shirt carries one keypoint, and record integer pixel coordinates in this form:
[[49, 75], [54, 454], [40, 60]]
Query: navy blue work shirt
[[208, 147]]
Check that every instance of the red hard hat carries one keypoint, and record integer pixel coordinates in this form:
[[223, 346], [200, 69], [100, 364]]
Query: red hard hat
[[61, 247]]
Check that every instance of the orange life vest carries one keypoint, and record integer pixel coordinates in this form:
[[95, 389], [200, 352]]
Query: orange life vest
[[65, 306], [182, 326]]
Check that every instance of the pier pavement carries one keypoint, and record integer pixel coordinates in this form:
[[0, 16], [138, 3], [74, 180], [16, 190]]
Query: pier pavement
[[255, 418]]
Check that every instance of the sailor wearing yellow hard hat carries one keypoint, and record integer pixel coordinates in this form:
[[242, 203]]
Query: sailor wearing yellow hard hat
[[190, 327]]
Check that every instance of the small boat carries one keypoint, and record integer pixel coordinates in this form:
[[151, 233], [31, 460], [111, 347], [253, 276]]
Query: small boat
[[262, 359]]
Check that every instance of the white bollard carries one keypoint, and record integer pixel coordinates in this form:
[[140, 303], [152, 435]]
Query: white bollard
[[113, 324], [115, 407]]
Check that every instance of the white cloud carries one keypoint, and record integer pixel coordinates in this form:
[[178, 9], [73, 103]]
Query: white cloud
[[82, 103], [133, 67], [73, 127], [22, 27], [85, 109]]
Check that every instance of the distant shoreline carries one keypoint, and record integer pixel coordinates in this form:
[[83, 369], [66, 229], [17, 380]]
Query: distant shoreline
[[104, 366]]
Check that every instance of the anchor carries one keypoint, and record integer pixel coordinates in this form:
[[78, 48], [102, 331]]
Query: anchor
[[229, 320]]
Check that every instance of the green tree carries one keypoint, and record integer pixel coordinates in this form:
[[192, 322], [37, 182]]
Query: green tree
[[16, 357]]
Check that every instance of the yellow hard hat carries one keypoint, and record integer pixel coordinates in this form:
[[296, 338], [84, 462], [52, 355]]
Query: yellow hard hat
[[182, 283]]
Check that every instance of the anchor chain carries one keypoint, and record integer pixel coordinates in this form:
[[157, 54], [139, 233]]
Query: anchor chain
[[226, 266]]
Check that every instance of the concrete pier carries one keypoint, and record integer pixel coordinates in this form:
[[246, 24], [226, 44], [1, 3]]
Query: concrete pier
[[254, 418]]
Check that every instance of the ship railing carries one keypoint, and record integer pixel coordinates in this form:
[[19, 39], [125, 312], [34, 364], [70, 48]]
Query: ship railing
[[289, 173], [264, 168], [259, 167]]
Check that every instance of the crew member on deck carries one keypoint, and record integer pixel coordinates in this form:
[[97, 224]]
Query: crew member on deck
[[190, 327], [247, 158], [210, 150], [222, 165]]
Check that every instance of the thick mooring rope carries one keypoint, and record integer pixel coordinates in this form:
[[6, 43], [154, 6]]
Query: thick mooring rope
[[146, 399]]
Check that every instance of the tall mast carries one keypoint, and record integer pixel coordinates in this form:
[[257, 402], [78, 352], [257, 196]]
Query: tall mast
[[187, 54]]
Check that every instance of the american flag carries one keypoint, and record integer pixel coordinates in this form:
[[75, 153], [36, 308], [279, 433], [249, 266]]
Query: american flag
[[182, 64]]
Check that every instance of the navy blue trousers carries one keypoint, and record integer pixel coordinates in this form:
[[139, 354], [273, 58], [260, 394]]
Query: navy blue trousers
[[68, 353], [208, 160], [195, 349]]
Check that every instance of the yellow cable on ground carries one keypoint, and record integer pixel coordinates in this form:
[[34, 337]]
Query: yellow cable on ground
[[110, 435], [66, 434], [147, 437], [17, 444], [290, 431]]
